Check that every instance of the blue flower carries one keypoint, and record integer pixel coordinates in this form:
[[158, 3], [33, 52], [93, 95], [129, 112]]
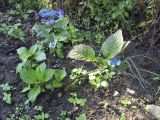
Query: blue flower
[[53, 13], [114, 62], [43, 20], [52, 44], [60, 13], [51, 22], [44, 13]]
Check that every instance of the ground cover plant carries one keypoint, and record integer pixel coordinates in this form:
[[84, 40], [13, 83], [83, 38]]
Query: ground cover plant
[[79, 60]]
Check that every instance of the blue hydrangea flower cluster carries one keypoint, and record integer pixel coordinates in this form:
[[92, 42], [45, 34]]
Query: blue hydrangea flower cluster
[[114, 62], [49, 16]]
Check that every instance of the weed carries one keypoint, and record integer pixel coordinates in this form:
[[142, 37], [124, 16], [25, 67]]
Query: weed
[[81, 117], [78, 75], [126, 102], [75, 100], [12, 31], [6, 92], [63, 116], [123, 116]]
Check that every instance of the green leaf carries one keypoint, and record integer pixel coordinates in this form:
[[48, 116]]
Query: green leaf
[[123, 116], [60, 74], [104, 83], [61, 23], [28, 76], [48, 74], [19, 67], [21, 50], [39, 77], [7, 97], [113, 45], [33, 49], [40, 55], [82, 117], [41, 67], [82, 52], [33, 93], [56, 84], [81, 102], [24, 54], [26, 89], [72, 100]]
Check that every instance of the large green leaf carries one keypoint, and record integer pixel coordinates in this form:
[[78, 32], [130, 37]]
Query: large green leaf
[[113, 45], [48, 74], [19, 67], [41, 67], [28, 76], [24, 54], [21, 50], [60, 74], [82, 52], [61, 23], [40, 55], [33, 93], [33, 49], [39, 77], [82, 117], [56, 84]]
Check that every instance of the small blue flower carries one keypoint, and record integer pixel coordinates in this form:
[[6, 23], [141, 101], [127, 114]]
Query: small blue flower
[[43, 20], [52, 44], [60, 13], [43, 11], [53, 13], [114, 62], [51, 22]]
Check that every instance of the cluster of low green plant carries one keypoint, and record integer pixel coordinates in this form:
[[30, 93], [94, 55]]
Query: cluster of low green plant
[[98, 18], [12, 31], [75, 100], [6, 92], [37, 76], [19, 113], [23, 6], [77, 76]]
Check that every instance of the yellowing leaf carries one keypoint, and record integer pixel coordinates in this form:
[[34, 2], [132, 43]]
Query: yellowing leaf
[[113, 45], [82, 52]]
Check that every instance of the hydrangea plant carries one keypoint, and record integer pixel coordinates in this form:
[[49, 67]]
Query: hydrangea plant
[[53, 30], [105, 61]]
